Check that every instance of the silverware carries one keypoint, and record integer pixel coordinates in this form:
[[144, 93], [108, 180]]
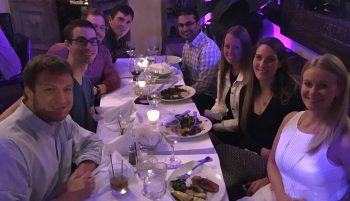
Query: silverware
[[201, 162], [195, 113], [176, 117]]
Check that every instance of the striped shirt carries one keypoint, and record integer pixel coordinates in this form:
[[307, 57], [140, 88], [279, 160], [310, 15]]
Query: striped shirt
[[199, 64]]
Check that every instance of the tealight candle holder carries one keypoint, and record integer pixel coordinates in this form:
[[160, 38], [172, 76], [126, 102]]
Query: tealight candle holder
[[153, 116]]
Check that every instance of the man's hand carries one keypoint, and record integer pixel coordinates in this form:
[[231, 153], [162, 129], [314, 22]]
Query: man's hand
[[85, 166], [78, 187], [256, 185]]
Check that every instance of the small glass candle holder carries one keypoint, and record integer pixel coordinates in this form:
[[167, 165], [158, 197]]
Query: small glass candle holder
[[153, 116]]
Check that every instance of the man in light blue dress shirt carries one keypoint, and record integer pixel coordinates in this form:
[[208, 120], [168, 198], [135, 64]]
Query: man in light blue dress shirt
[[39, 142], [200, 57]]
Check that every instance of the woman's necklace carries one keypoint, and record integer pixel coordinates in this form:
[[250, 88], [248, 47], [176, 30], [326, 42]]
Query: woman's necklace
[[289, 146]]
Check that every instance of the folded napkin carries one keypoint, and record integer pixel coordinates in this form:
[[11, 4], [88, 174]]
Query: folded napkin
[[110, 114], [164, 68], [147, 136]]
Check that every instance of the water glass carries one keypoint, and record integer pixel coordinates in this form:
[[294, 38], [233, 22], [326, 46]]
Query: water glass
[[144, 165], [154, 98], [154, 186]]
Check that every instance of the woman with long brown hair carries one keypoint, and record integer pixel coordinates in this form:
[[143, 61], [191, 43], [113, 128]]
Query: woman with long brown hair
[[309, 159], [232, 75], [269, 95]]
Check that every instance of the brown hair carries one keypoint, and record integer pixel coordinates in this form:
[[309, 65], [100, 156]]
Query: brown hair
[[242, 34], [44, 63], [283, 86]]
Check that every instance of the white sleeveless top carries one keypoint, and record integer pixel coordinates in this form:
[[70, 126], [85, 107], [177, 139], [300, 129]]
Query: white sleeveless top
[[311, 177]]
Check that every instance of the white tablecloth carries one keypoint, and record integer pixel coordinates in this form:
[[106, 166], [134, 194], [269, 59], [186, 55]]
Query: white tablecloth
[[186, 150]]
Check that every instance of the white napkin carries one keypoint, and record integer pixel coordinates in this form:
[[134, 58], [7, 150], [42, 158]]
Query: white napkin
[[146, 135], [164, 68], [109, 114]]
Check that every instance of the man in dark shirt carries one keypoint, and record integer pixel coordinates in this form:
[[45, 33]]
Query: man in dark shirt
[[120, 19]]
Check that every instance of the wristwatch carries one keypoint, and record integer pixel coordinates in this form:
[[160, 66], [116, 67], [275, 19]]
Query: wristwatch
[[98, 89]]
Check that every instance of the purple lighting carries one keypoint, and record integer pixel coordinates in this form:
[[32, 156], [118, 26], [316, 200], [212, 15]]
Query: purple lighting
[[277, 34]]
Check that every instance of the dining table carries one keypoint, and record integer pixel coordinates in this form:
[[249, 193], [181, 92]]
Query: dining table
[[116, 145]]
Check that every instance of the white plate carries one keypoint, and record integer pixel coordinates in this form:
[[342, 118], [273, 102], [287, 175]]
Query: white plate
[[203, 171], [206, 125], [191, 92], [170, 59]]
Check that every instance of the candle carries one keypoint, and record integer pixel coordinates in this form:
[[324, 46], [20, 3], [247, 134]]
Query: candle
[[143, 63], [153, 116], [142, 83]]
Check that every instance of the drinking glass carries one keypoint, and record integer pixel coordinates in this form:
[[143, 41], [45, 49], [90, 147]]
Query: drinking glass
[[119, 177], [144, 164], [135, 70], [126, 117], [130, 49], [171, 133], [154, 186], [154, 98]]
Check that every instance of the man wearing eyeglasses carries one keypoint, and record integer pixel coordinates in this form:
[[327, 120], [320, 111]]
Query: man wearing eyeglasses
[[81, 42], [120, 19], [101, 71], [200, 57]]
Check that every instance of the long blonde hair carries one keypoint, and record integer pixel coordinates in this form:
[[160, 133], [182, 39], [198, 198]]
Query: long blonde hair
[[336, 121], [242, 34], [283, 86]]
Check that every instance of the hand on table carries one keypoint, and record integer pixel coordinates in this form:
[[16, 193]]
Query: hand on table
[[80, 186], [256, 185]]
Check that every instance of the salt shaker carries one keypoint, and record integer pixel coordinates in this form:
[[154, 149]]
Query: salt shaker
[[132, 155]]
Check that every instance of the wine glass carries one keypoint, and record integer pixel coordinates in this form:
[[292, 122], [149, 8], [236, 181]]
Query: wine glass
[[126, 117], [130, 49], [135, 70], [154, 98], [154, 186], [171, 133]]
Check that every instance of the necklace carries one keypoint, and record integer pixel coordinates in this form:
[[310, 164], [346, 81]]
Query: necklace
[[286, 156]]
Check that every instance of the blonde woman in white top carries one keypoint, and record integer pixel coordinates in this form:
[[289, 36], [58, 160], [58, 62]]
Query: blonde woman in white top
[[309, 159], [233, 66]]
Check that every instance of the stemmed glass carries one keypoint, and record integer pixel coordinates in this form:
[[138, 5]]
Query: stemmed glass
[[154, 186], [154, 98], [171, 133], [126, 117], [130, 49], [135, 70]]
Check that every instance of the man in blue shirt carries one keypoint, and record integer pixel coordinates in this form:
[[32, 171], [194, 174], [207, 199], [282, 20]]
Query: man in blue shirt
[[39, 141]]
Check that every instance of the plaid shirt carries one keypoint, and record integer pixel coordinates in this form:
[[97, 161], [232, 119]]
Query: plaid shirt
[[199, 64]]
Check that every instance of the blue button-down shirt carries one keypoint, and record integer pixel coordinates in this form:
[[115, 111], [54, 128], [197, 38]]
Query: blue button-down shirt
[[199, 64], [36, 157]]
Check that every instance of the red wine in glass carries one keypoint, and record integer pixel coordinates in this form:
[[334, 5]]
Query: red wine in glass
[[135, 73]]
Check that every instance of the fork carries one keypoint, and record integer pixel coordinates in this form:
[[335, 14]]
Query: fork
[[201, 162], [195, 119]]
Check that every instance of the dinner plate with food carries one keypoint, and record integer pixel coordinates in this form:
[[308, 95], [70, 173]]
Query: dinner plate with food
[[177, 93], [205, 184], [193, 125]]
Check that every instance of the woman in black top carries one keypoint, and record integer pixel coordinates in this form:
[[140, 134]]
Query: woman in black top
[[269, 95]]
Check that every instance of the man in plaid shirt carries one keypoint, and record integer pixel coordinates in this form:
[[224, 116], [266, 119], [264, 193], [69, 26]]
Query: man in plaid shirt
[[200, 57]]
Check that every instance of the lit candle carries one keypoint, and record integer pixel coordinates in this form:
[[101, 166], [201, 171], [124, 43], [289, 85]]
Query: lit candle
[[143, 63], [153, 116], [142, 83]]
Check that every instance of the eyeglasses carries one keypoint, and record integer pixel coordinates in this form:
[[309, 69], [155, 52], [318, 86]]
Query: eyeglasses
[[84, 41], [187, 24]]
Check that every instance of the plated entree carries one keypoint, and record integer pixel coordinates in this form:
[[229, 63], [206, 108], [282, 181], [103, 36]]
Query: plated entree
[[196, 191], [190, 125], [174, 93]]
